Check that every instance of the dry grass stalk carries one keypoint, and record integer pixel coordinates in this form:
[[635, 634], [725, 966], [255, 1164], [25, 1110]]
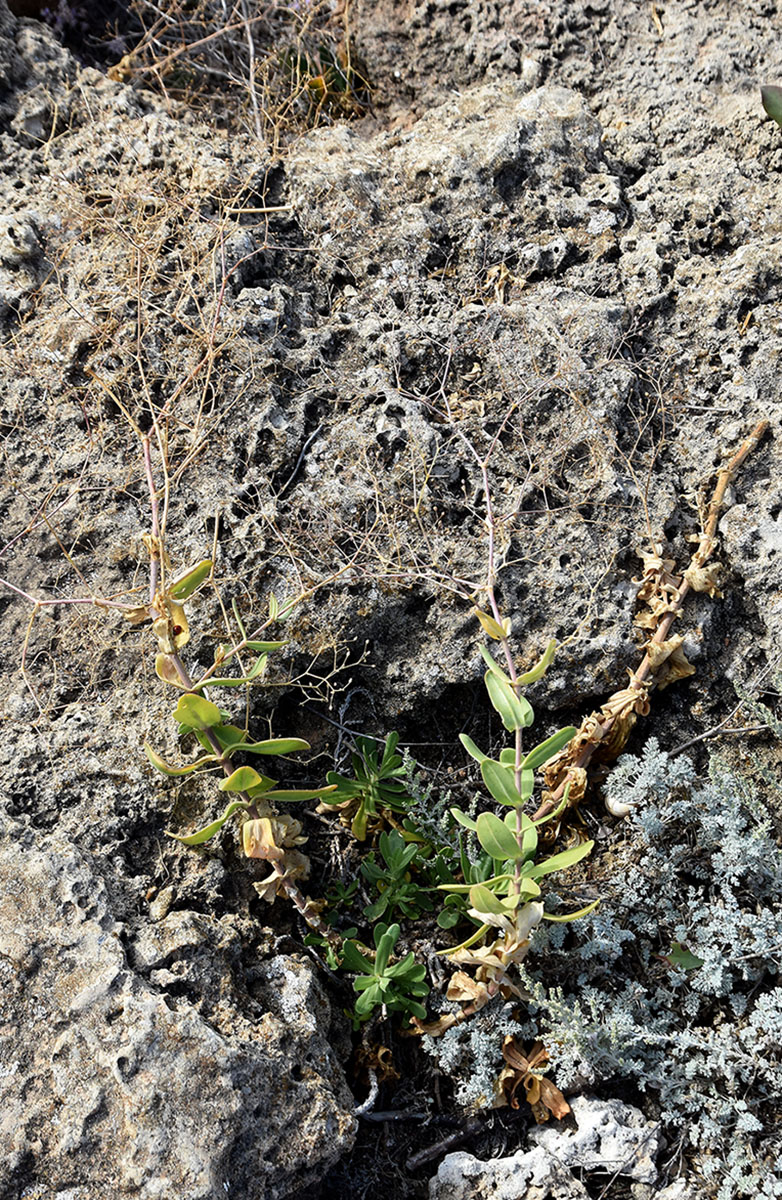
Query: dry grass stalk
[[278, 68]]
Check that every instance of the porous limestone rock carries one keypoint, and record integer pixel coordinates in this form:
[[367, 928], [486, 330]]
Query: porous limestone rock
[[556, 235], [527, 1175], [609, 1136], [117, 1079]]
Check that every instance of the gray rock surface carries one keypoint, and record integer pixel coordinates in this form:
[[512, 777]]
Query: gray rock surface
[[609, 1136], [554, 240], [528, 1175], [116, 1078]]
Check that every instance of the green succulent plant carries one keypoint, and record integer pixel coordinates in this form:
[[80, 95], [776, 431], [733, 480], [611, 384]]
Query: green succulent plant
[[377, 784], [394, 987], [392, 879]]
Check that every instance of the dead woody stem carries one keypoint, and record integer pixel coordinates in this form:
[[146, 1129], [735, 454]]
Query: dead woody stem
[[607, 730]]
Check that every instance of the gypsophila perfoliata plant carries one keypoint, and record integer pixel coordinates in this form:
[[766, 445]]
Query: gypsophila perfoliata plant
[[506, 905], [698, 901]]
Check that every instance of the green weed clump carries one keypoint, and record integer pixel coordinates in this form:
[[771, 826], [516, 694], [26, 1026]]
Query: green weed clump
[[394, 987], [377, 787]]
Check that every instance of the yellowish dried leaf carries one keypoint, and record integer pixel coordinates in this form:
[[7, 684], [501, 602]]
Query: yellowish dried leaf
[[466, 990], [659, 652], [137, 615], [676, 667], [704, 579], [258, 840], [435, 1028]]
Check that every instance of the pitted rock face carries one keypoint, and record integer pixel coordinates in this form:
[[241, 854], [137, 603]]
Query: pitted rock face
[[555, 241], [162, 1078]]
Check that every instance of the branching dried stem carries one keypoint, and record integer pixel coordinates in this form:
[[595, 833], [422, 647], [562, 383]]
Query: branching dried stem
[[607, 730], [287, 64]]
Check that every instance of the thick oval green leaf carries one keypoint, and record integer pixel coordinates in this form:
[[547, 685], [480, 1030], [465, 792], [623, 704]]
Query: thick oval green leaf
[[160, 765], [508, 757], [203, 835], [463, 819], [772, 102], [546, 750], [527, 783], [541, 666], [385, 940], [197, 712], [516, 712], [358, 826], [484, 901], [241, 780], [276, 746], [354, 960], [496, 838], [230, 737], [186, 584], [529, 888], [559, 862], [499, 781]]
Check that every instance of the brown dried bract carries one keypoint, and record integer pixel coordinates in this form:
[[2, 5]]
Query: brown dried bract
[[525, 1072]]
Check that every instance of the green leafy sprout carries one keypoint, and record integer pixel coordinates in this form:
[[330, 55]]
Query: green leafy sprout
[[381, 983], [393, 881], [377, 785]]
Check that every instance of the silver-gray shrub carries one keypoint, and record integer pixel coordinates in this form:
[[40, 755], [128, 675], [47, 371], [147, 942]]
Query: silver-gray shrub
[[698, 866]]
